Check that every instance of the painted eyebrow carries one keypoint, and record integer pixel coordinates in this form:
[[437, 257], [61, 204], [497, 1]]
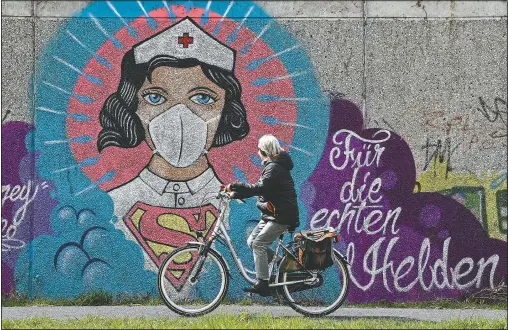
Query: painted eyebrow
[[154, 89], [203, 88]]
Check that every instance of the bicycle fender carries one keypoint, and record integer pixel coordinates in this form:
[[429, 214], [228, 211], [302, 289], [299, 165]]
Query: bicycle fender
[[341, 257], [220, 255]]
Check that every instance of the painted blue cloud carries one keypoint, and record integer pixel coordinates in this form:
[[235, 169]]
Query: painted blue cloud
[[70, 259], [86, 254]]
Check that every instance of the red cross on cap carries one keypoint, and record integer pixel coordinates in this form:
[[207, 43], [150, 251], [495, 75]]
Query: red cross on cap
[[185, 40]]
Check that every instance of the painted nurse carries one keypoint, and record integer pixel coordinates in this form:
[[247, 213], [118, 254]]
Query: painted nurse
[[178, 93]]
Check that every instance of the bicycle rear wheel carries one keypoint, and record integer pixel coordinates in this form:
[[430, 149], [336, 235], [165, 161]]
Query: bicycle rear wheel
[[319, 297], [187, 292]]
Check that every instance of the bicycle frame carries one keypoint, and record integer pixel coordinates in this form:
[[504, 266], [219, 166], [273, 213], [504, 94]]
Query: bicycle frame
[[220, 232]]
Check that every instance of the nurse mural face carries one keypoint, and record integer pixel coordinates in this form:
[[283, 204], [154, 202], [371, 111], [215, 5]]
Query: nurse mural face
[[180, 110], [180, 100]]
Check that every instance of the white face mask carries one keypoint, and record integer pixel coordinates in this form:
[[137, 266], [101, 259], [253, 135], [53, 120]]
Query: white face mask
[[179, 135]]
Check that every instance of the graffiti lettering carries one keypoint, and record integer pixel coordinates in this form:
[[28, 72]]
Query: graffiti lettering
[[26, 194], [483, 142], [323, 218], [467, 128], [8, 240], [21, 193], [440, 122], [358, 197], [495, 115], [359, 159], [450, 276], [439, 151], [349, 189]]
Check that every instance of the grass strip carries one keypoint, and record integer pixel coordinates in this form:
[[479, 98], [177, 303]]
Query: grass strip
[[247, 321]]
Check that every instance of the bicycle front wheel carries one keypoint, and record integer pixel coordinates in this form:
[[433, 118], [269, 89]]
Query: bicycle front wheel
[[320, 296], [188, 290]]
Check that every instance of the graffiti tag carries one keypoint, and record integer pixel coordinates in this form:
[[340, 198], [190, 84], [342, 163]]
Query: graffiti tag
[[495, 115], [19, 193], [439, 151], [439, 121]]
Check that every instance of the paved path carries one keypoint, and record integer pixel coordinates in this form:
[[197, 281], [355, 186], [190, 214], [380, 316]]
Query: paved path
[[63, 312]]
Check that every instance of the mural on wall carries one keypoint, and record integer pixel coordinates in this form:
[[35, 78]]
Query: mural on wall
[[162, 109], [139, 118]]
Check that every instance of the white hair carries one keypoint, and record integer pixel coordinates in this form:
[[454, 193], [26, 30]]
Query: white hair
[[269, 145]]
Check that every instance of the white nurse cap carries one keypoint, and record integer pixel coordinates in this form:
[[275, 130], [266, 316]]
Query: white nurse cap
[[186, 39]]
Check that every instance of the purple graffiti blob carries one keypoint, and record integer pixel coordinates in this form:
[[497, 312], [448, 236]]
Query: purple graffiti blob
[[402, 246], [24, 197]]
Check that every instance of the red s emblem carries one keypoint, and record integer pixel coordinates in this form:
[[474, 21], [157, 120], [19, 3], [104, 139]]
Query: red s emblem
[[159, 230]]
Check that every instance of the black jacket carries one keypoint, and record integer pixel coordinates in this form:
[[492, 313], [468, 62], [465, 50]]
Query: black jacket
[[276, 190]]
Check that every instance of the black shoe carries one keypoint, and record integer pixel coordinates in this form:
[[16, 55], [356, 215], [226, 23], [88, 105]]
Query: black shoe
[[261, 288]]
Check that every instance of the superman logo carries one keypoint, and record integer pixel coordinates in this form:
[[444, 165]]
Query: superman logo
[[159, 230]]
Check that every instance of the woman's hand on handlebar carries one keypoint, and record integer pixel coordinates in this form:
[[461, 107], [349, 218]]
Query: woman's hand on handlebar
[[226, 189]]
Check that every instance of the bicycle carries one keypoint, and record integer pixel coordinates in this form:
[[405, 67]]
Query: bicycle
[[204, 286]]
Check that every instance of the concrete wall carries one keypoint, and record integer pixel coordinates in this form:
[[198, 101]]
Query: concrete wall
[[423, 83]]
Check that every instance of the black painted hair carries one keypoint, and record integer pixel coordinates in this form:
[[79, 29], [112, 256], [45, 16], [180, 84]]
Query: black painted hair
[[122, 127]]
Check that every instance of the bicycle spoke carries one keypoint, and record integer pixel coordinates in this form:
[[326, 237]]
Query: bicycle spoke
[[321, 293], [186, 292]]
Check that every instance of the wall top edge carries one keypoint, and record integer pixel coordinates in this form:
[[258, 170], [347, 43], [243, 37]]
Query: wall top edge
[[300, 9]]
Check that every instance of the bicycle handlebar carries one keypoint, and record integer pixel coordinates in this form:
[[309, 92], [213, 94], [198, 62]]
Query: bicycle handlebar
[[223, 194]]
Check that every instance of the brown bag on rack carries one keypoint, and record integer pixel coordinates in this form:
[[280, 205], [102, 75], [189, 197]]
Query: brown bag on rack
[[313, 249]]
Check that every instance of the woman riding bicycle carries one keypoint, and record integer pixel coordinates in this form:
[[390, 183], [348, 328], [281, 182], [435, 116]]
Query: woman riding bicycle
[[278, 204], [304, 279]]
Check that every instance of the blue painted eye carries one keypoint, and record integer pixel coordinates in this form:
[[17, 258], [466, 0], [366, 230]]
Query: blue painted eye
[[154, 98], [202, 99]]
